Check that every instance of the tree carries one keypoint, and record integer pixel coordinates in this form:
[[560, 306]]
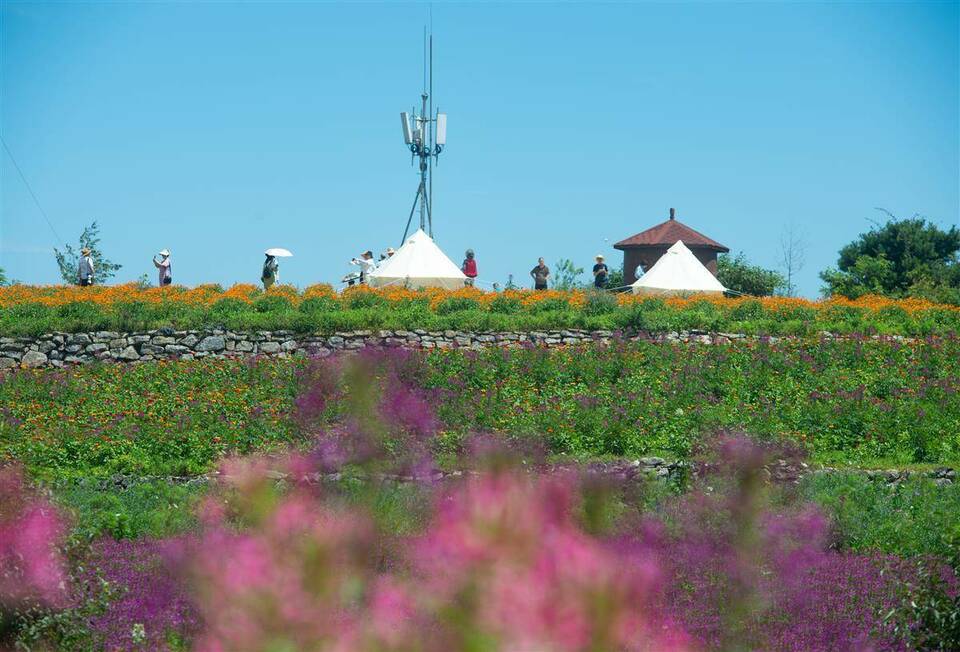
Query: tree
[[793, 250], [566, 275], [909, 257], [740, 276], [69, 259], [3, 278]]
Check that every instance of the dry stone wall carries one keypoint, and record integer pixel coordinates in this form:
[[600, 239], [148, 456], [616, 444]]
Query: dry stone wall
[[65, 349]]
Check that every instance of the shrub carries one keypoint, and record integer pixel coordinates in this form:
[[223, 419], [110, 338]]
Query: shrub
[[912, 518], [317, 304], [228, 306], [272, 303], [599, 303], [456, 304], [505, 305], [361, 299]]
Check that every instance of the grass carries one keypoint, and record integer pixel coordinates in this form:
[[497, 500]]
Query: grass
[[911, 518]]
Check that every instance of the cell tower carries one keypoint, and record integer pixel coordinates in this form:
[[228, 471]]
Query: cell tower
[[425, 134]]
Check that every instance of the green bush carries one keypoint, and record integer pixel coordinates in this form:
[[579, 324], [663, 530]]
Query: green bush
[[599, 303], [914, 517], [272, 303], [749, 310], [550, 305], [229, 306], [318, 304], [362, 300], [456, 304], [504, 305], [155, 508]]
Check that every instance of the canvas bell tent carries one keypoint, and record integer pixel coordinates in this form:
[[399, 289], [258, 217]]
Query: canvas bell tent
[[419, 263], [677, 272]]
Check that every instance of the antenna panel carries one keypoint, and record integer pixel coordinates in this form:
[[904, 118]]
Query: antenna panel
[[441, 129], [405, 119]]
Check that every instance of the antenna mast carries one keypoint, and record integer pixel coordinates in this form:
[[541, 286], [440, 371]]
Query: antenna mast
[[426, 136]]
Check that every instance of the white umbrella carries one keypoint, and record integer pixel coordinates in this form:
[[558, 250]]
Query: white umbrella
[[278, 251]]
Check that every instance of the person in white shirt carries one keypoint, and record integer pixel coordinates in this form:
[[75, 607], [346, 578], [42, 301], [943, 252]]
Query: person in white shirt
[[166, 273], [367, 264], [85, 268]]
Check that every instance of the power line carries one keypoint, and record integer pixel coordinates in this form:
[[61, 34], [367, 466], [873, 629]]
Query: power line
[[30, 190]]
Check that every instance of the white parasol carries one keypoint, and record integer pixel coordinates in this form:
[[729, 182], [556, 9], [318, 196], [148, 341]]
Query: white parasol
[[279, 252]]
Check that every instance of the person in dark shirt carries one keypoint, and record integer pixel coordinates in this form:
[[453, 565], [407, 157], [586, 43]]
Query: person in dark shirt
[[600, 273], [540, 274]]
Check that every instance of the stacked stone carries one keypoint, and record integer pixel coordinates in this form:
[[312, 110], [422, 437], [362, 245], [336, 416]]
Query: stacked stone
[[64, 349]]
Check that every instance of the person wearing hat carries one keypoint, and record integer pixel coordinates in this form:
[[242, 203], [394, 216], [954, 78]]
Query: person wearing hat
[[386, 255], [600, 273], [367, 264], [271, 271], [166, 272], [85, 268], [469, 267]]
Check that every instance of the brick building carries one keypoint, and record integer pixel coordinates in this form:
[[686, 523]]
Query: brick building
[[645, 248]]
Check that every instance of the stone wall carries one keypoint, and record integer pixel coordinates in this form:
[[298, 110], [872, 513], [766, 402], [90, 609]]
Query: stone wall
[[645, 468], [65, 349], [62, 349]]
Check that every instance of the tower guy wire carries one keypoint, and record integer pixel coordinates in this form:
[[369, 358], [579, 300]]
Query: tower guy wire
[[33, 195]]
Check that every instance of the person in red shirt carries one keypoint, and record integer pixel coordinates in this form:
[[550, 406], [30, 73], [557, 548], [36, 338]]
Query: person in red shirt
[[469, 267]]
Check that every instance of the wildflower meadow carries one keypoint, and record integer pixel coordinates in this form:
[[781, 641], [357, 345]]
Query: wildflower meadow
[[455, 499]]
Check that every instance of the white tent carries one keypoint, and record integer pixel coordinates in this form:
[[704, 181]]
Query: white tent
[[677, 272], [419, 263]]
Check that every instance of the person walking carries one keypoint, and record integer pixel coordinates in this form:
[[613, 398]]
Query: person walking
[[540, 274], [367, 264], [271, 271], [600, 273], [469, 268], [163, 265], [85, 268]]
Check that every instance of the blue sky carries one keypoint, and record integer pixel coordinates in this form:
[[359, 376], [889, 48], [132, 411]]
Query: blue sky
[[219, 129]]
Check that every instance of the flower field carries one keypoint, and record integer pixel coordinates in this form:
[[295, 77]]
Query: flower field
[[29, 310], [843, 401], [327, 525]]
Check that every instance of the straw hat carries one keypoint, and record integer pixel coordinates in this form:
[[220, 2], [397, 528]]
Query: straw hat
[[85, 251], [600, 257]]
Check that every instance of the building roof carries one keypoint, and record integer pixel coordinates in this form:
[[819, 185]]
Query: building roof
[[668, 233]]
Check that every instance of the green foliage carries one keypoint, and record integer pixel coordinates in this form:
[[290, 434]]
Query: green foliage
[[69, 259], [3, 278], [929, 615], [866, 275], [910, 257], [155, 508], [740, 276], [566, 275], [599, 303], [456, 304], [615, 278], [67, 628], [912, 518], [848, 401], [504, 305], [272, 303]]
